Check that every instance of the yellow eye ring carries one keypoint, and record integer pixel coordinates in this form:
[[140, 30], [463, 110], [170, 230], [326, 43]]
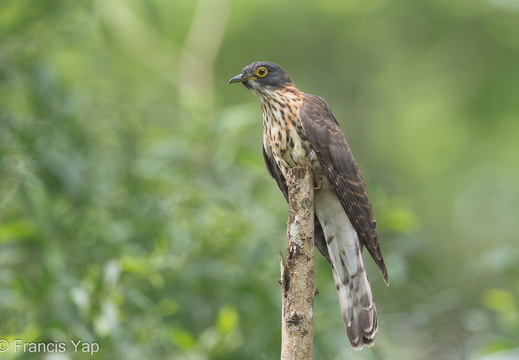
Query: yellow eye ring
[[262, 72]]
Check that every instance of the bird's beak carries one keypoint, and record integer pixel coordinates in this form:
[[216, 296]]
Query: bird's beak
[[241, 78]]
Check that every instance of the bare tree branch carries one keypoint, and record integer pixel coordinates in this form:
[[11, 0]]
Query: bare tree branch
[[297, 274]]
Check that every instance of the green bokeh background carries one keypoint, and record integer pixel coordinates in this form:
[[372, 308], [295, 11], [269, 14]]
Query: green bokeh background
[[136, 211]]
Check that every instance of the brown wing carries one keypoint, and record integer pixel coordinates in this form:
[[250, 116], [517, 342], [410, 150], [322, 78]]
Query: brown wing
[[328, 140], [276, 173]]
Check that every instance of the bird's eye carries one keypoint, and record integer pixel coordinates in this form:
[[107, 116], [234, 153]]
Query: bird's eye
[[262, 72]]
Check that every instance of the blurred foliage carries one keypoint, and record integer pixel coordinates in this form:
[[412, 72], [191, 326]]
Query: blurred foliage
[[136, 212]]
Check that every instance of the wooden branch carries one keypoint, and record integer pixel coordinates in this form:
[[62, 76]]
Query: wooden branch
[[297, 274]]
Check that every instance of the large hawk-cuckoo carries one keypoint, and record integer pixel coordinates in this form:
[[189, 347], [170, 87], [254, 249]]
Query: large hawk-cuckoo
[[300, 130]]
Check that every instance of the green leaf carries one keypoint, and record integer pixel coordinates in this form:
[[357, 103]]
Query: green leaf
[[228, 319]]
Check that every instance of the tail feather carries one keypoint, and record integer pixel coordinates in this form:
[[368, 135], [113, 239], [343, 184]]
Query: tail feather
[[360, 320], [354, 291]]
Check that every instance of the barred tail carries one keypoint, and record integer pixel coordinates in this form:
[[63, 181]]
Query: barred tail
[[356, 301], [360, 320]]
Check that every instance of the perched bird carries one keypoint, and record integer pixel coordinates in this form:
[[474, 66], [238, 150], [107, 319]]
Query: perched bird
[[300, 130]]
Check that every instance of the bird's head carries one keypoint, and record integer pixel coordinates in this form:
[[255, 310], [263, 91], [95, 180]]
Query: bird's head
[[262, 77]]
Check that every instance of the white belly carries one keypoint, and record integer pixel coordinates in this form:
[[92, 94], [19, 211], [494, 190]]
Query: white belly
[[292, 151]]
